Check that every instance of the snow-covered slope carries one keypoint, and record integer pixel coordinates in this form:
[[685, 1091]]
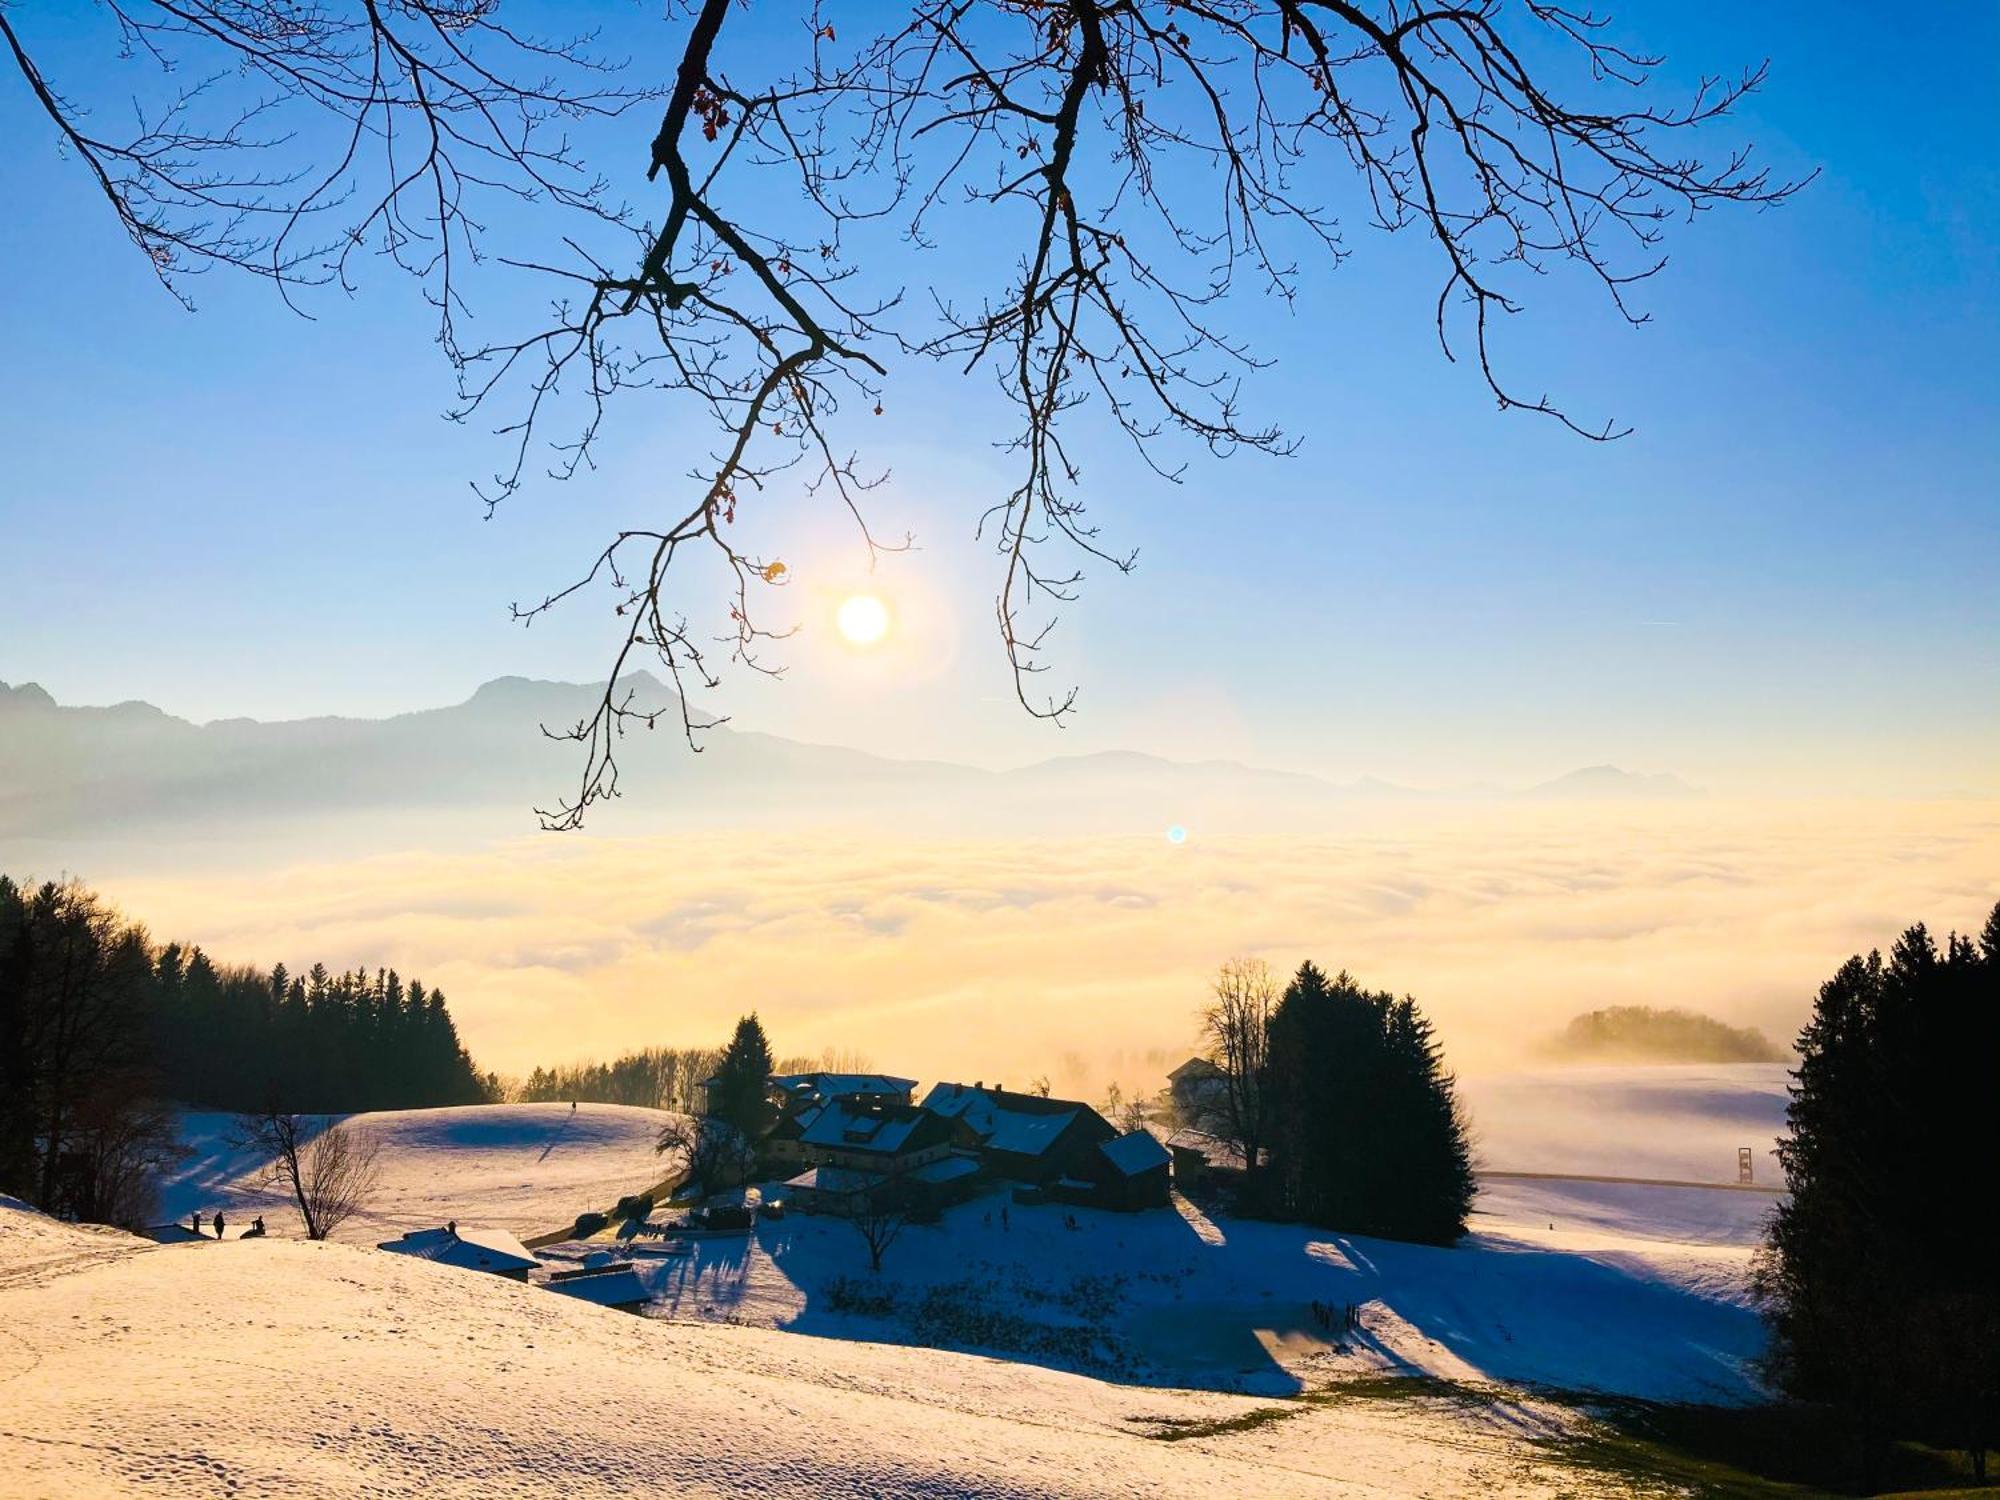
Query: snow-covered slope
[[264, 1368], [1604, 1301], [32, 1243], [525, 1168], [279, 1367]]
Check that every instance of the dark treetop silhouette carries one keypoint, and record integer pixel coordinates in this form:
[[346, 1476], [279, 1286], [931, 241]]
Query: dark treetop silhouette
[[1132, 160]]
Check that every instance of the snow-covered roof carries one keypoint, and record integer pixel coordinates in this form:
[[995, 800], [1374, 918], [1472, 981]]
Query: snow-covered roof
[[619, 1288], [835, 1180], [1023, 1124], [945, 1169], [850, 1127], [1135, 1152], [842, 1085], [474, 1249]]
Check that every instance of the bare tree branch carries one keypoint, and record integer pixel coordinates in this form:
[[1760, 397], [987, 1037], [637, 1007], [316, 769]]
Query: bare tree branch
[[1106, 180]]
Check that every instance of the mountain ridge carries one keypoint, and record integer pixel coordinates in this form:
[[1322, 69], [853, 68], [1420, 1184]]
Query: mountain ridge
[[66, 769]]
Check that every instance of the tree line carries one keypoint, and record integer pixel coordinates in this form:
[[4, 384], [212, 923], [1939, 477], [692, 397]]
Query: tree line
[[318, 1043], [651, 1078], [1339, 1102], [668, 1078], [99, 1028]]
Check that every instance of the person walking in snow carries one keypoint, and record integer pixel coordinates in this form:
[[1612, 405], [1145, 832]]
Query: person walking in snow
[[195, 1223], [218, 1223]]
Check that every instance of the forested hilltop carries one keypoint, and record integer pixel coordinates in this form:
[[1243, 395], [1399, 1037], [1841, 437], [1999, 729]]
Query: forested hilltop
[[100, 1028], [1640, 1033]]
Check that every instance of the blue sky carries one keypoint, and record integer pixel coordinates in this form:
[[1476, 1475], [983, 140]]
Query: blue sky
[[1788, 577]]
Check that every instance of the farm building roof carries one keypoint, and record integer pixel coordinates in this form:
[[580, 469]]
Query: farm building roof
[[835, 1180], [841, 1085], [1134, 1152], [474, 1249], [845, 1126], [944, 1169], [1021, 1124], [622, 1287]]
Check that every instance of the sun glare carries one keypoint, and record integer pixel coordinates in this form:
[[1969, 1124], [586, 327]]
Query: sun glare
[[863, 619]]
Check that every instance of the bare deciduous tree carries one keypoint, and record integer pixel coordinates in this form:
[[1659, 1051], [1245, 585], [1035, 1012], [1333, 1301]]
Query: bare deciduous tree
[[327, 1166], [881, 1217], [1128, 1113], [1236, 1026], [1100, 175], [712, 1152]]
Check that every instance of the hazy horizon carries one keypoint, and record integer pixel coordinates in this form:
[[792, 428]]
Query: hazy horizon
[[1061, 920]]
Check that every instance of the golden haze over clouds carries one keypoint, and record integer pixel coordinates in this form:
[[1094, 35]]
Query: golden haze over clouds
[[1085, 958]]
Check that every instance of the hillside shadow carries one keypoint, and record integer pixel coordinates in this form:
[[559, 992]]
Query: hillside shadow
[[1027, 1286], [1178, 1298], [218, 1172]]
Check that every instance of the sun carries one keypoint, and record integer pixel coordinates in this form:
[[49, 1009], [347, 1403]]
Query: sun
[[863, 619]]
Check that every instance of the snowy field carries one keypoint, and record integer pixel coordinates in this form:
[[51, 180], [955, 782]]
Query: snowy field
[[1683, 1121], [774, 1363], [1635, 1291], [265, 1368], [525, 1168]]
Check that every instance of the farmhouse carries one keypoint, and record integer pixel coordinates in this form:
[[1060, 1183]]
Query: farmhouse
[[854, 1150], [1199, 1090], [1025, 1137], [800, 1098], [491, 1250]]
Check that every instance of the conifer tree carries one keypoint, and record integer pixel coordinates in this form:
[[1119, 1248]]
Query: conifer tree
[[743, 1074], [1366, 1131], [1883, 1298]]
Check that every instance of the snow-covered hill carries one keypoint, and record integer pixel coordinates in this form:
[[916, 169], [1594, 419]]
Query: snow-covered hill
[[525, 1168], [269, 1367], [280, 1367], [1586, 1285]]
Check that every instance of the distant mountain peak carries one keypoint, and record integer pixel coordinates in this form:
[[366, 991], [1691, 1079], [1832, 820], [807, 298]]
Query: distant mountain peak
[[1614, 781], [505, 689], [29, 695]]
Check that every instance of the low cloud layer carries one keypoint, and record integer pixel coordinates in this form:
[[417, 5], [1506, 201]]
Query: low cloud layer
[[1085, 959]]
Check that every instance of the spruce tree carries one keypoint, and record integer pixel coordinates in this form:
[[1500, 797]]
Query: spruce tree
[[743, 1075], [1882, 1296], [1367, 1134]]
